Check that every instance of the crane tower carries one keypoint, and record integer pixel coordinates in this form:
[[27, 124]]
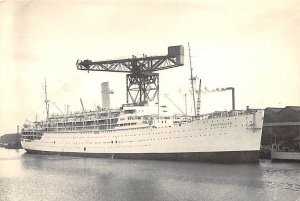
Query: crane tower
[[142, 84]]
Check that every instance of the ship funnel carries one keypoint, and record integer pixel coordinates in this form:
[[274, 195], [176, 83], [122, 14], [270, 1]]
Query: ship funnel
[[105, 93], [233, 98]]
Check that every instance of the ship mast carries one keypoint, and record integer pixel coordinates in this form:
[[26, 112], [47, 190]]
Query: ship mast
[[46, 101], [192, 81]]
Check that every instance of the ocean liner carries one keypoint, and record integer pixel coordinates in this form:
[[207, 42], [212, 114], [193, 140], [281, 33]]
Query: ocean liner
[[130, 133], [134, 132]]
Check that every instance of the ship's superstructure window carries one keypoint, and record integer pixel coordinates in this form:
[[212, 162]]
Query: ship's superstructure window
[[129, 111]]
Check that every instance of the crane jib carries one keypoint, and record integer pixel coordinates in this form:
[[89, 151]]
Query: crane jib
[[141, 72]]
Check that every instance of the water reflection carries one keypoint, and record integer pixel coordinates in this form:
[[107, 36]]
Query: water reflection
[[38, 177], [10, 163]]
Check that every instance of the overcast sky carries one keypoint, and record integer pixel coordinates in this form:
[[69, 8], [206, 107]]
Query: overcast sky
[[253, 46]]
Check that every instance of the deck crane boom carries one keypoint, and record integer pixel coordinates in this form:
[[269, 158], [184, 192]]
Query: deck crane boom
[[82, 105], [57, 108], [142, 83]]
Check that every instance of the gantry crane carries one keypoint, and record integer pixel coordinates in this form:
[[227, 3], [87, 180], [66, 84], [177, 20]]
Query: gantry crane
[[141, 81]]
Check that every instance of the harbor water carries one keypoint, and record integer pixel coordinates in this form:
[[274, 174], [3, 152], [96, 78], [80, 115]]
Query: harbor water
[[40, 177]]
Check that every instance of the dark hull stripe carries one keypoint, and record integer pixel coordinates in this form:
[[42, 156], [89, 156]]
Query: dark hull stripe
[[217, 157]]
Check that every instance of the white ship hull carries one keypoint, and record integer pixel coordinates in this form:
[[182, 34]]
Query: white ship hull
[[221, 139]]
